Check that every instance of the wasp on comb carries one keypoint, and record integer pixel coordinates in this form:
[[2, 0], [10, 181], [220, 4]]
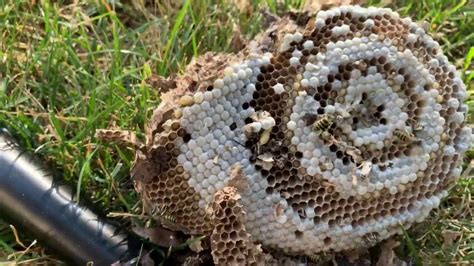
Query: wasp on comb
[[406, 137], [325, 122]]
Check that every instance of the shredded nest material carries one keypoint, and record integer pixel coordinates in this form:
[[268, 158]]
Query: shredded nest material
[[323, 137]]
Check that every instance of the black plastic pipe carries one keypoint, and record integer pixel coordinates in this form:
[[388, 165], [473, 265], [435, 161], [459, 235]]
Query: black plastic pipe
[[31, 199]]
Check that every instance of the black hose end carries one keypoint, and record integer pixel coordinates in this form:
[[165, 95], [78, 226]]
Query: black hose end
[[31, 199]]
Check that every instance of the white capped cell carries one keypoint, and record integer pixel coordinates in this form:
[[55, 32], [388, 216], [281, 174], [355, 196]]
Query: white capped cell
[[278, 88]]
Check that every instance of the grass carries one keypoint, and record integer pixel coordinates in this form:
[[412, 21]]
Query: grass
[[67, 69]]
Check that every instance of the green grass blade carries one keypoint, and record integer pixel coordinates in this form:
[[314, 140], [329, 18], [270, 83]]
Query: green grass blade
[[85, 171], [470, 55], [411, 247], [172, 38]]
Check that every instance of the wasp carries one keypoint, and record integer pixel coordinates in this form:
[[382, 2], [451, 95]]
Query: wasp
[[325, 121], [410, 139], [370, 239], [405, 136], [319, 257], [164, 215], [168, 217], [170, 221]]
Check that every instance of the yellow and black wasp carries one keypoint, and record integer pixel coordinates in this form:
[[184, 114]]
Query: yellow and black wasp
[[324, 122], [371, 239], [405, 136]]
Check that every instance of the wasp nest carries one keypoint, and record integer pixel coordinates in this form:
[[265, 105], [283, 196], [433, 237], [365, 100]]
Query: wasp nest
[[343, 130]]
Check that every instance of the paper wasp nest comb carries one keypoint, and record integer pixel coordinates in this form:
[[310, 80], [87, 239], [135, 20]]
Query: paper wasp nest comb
[[343, 129]]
